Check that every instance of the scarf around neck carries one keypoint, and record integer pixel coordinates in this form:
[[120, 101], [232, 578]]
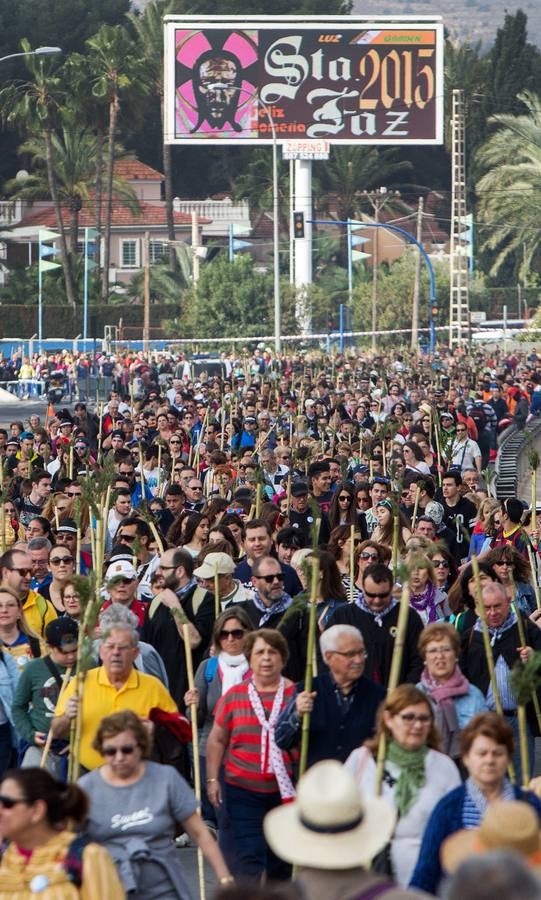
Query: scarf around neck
[[443, 694], [377, 616], [426, 602], [496, 633], [280, 606], [412, 775], [232, 669], [272, 759]]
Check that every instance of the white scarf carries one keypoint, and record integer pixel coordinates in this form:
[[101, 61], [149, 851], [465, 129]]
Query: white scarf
[[232, 669], [272, 759]]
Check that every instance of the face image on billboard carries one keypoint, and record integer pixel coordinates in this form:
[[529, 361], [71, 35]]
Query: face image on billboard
[[374, 85]]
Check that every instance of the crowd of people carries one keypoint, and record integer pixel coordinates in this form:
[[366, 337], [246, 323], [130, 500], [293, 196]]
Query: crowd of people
[[234, 512]]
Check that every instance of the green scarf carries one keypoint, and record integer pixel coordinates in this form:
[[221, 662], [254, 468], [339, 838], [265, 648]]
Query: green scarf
[[412, 775]]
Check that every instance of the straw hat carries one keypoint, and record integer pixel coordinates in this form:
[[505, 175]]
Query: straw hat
[[507, 825], [329, 826]]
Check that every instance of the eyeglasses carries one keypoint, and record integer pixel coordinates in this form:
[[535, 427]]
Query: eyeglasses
[[377, 596], [276, 576], [440, 563], [23, 572], [410, 718], [365, 555], [461, 430], [235, 634], [174, 442], [125, 750], [127, 538], [503, 562], [10, 802], [59, 560], [344, 498], [435, 651], [351, 654], [194, 487]]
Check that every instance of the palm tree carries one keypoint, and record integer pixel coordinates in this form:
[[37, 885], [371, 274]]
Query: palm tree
[[117, 72], [348, 175], [75, 171], [33, 106], [509, 193], [149, 34]]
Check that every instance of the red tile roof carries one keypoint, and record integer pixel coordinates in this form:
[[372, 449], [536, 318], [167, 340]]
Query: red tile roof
[[133, 170], [149, 214]]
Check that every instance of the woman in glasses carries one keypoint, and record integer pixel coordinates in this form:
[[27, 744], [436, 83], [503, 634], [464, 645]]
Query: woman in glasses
[[61, 564], [226, 667], [416, 774], [16, 637], [455, 699], [136, 809], [342, 510], [44, 855], [445, 567], [515, 575]]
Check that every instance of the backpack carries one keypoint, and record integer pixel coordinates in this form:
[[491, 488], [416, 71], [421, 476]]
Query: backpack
[[211, 668], [73, 861], [478, 415]]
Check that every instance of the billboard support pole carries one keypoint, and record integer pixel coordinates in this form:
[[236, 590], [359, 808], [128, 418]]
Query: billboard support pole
[[303, 246]]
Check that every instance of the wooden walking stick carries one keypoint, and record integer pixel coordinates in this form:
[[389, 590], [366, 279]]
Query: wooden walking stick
[[351, 563], [216, 592], [533, 459], [195, 745], [525, 680], [415, 507], [396, 531], [522, 638], [47, 746], [394, 676], [535, 579], [310, 650]]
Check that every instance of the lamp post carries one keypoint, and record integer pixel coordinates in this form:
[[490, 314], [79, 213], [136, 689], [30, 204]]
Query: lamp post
[[39, 51]]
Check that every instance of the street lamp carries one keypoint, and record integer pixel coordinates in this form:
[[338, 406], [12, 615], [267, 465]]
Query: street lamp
[[39, 51]]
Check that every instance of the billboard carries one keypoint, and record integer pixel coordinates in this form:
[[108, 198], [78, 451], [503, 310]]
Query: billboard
[[344, 81]]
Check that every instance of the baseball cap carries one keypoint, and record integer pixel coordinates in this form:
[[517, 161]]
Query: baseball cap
[[121, 568], [215, 562], [299, 489], [62, 633], [67, 525]]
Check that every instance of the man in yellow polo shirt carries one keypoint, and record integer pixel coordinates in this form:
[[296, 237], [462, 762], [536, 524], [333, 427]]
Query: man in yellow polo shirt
[[112, 687]]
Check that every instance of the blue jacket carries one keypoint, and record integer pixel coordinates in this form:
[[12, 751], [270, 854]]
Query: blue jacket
[[466, 706], [446, 819], [9, 676], [333, 735]]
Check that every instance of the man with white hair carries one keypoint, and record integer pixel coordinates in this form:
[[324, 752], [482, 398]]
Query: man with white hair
[[342, 705]]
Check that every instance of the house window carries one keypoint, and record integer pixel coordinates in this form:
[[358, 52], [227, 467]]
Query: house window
[[157, 250], [129, 254]]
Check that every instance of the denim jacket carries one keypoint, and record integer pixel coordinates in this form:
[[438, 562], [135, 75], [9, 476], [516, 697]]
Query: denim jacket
[[466, 706], [9, 676]]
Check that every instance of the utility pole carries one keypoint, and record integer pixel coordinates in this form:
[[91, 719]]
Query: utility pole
[[459, 312], [417, 283], [146, 293]]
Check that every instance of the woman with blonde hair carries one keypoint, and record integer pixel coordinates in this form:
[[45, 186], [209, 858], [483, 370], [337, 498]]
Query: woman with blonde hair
[[16, 636], [416, 774], [425, 597]]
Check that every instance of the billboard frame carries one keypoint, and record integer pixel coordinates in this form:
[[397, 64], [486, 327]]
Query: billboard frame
[[312, 23]]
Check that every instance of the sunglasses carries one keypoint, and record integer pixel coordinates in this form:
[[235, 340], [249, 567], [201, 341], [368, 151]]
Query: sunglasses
[[9, 802], [377, 596], [125, 750], [23, 572], [364, 555], [440, 563], [61, 559], [276, 576], [236, 634], [344, 497], [127, 538]]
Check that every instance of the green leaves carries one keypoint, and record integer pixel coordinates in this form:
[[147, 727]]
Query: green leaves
[[525, 679]]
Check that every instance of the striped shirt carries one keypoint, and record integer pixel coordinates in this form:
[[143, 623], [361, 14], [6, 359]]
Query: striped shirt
[[242, 762]]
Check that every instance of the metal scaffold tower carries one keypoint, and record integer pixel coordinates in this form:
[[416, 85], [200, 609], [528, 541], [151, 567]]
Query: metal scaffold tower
[[459, 313]]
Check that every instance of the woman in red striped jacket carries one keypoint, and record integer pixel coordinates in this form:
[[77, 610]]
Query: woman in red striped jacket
[[258, 775]]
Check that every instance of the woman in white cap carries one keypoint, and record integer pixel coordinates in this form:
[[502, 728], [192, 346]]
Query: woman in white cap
[[416, 775]]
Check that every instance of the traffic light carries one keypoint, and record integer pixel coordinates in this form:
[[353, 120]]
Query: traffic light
[[298, 224]]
